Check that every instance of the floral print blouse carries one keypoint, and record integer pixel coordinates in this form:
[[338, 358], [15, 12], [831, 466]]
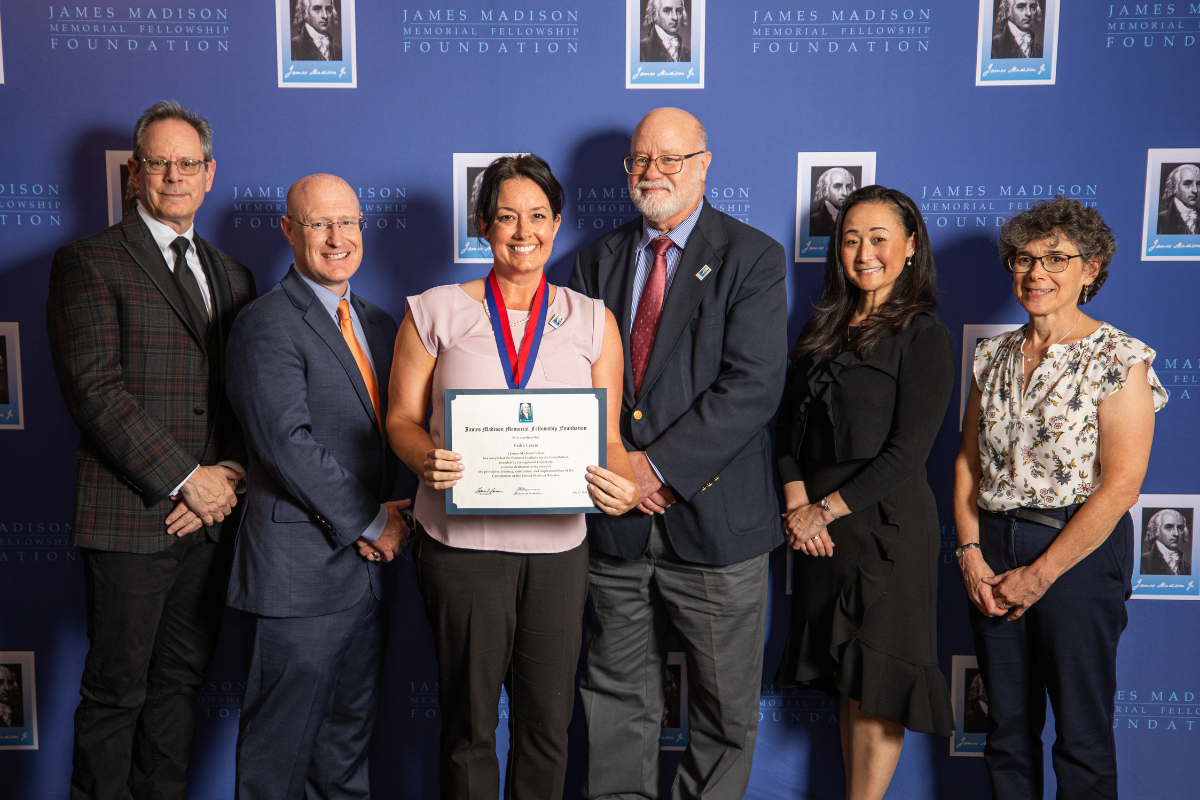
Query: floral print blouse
[[1040, 448]]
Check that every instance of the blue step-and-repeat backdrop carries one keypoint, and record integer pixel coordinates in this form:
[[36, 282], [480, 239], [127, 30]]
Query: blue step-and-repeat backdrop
[[1097, 102]]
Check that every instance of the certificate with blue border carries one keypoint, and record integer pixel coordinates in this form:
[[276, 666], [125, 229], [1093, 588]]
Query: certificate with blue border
[[525, 451]]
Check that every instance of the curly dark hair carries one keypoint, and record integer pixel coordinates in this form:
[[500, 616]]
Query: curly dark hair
[[914, 291], [505, 168], [1058, 219]]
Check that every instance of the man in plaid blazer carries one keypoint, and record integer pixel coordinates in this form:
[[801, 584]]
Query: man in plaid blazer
[[138, 316]]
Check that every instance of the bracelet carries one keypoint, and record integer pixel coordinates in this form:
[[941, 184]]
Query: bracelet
[[828, 510], [962, 551]]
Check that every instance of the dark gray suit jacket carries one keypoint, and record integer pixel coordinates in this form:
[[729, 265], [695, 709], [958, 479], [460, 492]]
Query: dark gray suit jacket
[[1170, 222], [319, 465], [713, 382]]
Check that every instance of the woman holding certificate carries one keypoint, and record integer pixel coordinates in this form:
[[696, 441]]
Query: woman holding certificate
[[504, 593]]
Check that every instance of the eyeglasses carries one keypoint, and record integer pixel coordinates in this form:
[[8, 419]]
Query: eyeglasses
[[186, 166], [667, 165], [345, 225], [1052, 262]]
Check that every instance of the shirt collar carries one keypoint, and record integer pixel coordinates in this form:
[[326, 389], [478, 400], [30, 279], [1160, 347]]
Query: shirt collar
[[325, 295], [1189, 214], [1170, 556], [679, 234], [671, 42], [1021, 36], [163, 233], [317, 36]]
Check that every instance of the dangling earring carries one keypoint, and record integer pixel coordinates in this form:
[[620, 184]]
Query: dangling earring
[[1086, 290], [908, 262]]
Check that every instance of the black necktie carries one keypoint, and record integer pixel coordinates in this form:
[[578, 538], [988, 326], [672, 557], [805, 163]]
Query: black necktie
[[187, 281]]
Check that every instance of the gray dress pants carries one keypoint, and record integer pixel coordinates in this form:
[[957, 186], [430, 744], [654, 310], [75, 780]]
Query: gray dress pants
[[720, 613]]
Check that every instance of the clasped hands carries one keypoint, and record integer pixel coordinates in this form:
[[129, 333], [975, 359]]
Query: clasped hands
[[610, 493], [206, 498], [804, 528], [1010, 593], [394, 538]]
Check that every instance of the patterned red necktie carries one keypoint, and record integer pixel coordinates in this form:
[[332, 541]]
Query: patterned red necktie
[[649, 310]]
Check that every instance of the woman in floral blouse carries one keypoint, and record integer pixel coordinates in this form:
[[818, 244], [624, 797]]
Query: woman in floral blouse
[[1055, 443]]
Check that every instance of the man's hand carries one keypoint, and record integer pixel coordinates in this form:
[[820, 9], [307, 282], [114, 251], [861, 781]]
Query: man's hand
[[394, 537], [206, 498], [656, 496]]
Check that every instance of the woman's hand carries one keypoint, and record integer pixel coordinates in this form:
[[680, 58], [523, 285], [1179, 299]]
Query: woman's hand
[[611, 493], [442, 469], [974, 570], [805, 530], [1018, 589]]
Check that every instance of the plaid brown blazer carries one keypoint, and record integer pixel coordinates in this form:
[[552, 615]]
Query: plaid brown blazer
[[142, 381]]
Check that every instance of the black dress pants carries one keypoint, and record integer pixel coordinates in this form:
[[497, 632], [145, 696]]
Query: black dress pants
[[511, 619], [1065, 648], [153, 621]]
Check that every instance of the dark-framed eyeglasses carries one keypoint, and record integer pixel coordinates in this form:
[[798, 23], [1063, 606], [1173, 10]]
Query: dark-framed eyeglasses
[[1051, 262], [323, 226], [666, 164], [161, 166]]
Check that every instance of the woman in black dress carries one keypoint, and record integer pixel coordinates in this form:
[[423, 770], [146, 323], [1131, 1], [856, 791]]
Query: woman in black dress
[[869, 385]]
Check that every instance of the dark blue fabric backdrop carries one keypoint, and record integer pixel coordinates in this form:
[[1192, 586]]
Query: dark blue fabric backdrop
[[779, 78]]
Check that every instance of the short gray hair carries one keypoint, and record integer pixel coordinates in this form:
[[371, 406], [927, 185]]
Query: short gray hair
[[301, 15], [1058, 219], [169, 109], [1171, 184]]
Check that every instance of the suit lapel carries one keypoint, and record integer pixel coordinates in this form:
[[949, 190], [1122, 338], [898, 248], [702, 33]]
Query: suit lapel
[[142, 247], [687, 290], [615, 274], [323, 325]]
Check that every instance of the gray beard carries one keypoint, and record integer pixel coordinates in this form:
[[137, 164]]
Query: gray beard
[[659, 210]]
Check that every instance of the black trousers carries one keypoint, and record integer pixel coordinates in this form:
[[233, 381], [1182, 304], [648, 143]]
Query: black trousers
[[153, 621], [1065, 648], [511, 619]]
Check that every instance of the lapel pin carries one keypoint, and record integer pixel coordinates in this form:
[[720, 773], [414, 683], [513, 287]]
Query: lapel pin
[[703, 273], [557, 320]]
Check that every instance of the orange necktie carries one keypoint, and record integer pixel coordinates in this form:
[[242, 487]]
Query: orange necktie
[[360, 357]]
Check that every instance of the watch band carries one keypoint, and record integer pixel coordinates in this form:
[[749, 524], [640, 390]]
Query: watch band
[[960, 552], [828, 510]]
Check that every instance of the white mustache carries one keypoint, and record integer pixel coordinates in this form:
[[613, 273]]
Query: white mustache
[[663, 184]]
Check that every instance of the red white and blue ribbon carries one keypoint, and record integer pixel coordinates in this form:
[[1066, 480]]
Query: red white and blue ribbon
[[517, 366]]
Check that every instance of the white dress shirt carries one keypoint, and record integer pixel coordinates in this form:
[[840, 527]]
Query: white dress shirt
[[1189, 215], [1169, 556], [163, 236], [320, 39], [669, 41], [1024, 40]]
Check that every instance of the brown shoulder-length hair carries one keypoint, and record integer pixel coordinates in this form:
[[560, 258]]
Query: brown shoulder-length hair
[[914, 291]]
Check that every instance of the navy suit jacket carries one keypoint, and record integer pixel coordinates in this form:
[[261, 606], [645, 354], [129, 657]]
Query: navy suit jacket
[[318, 464], [712, 384]]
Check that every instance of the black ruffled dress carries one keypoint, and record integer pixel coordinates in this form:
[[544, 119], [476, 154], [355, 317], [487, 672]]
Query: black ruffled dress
[[864, 621]]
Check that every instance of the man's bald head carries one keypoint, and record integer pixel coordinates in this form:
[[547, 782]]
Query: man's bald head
[[676, 121], [331, 252], [302, 192]]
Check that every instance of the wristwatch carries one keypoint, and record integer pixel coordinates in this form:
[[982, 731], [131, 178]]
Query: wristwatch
[[828, 510], [962, 550]]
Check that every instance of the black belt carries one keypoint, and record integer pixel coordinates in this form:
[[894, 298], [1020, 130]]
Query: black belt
[[1033, 516]]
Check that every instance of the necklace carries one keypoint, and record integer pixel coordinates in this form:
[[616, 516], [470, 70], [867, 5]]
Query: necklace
[[1078, 317]]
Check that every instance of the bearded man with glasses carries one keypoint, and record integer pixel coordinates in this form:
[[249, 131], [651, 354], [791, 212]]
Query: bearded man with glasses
[[702, 308], [138, 317]]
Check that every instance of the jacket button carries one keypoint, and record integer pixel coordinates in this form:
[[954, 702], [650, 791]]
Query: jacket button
[[199, 411], [637, 414]]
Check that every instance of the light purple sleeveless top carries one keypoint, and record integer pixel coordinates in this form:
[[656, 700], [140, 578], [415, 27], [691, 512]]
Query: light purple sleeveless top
[[456, 330]]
